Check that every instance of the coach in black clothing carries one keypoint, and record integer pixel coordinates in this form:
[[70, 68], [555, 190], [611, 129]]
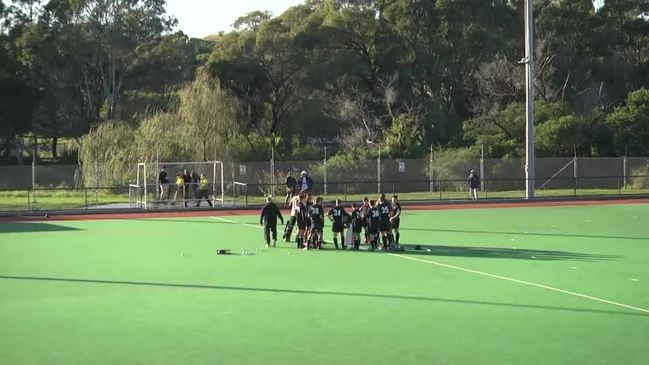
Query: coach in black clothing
[[268, 219], [187, 180], [291, 187], [163, 180]]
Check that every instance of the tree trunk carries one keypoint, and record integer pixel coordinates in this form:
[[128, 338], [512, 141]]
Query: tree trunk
[[54, 145]]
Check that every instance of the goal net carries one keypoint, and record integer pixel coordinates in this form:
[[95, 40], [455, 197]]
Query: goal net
[[192, 192]]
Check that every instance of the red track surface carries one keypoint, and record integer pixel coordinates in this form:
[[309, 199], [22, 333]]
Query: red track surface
[[212, 213]]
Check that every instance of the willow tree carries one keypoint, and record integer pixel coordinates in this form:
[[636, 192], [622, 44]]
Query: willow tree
[[106, 153], [207, 119], [200, 129]]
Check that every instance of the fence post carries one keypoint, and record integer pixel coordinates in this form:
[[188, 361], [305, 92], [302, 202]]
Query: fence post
[[325, 170], [345, 187], [574, 172], [97, 181], [378, 172], [482, 176], [439, 187], [430, 171], [272, 171], [624, 171], [29, 203]]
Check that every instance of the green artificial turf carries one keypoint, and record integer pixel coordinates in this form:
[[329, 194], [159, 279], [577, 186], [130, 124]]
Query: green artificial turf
[[153, 291]]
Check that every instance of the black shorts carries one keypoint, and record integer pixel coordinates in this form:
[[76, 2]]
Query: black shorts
[[373, 228], [317, 227], [395, 223], [337, 227], [384, 226], [301, 224]]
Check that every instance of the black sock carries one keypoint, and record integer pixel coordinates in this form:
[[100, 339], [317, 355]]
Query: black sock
[[397, 238], [385, 240], [336, 242], [342, 240]]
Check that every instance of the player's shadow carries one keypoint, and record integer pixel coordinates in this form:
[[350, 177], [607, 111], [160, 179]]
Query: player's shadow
[[32, 227], [503, 253], [323, 293], [524, 234]]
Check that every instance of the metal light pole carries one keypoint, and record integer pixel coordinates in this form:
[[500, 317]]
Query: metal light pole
[[529, 100]]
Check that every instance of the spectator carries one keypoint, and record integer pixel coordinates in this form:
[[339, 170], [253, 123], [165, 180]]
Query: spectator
[[305, 183], [196, 179], [291, 187], [474, 184], [204, 192], [163, 180], [187, 180]]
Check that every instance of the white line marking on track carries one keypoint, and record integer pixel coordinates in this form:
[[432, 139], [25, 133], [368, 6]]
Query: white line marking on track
[[487, 274], [520, 282], [231, 221]]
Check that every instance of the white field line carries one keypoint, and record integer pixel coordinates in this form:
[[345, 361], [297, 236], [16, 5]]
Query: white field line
[[490, 275], [521, 282], [231, 221]]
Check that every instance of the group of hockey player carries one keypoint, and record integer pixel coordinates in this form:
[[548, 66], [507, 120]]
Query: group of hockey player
[[379, 221]]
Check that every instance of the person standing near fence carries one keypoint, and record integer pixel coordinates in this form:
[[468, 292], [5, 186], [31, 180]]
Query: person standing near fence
[[180, 187], [196, 179], [268, 219], [163, 180], [187, 180], [204, 192], [474, 184], [305, 183], [291, 186]]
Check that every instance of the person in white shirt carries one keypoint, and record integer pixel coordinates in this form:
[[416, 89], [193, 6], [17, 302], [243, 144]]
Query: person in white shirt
[[294, 206]]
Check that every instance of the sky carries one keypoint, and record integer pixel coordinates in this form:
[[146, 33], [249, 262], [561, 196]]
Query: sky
[[200, 18]]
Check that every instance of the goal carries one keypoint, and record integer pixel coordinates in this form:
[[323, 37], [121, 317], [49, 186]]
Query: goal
[[153, 194]]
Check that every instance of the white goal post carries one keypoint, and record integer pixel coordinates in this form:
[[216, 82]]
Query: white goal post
[[152, 192]]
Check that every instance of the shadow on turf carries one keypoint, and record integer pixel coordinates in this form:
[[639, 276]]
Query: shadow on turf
[[504, 253], [314, 292], [524, 234], [34, 227]]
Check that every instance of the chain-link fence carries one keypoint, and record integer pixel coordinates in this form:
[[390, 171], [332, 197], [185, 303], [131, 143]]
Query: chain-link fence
[[415, 179]]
